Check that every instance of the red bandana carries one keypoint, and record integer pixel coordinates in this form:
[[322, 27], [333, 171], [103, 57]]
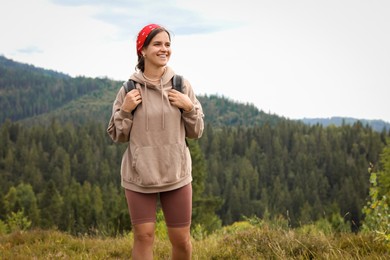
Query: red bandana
[[143, 34]]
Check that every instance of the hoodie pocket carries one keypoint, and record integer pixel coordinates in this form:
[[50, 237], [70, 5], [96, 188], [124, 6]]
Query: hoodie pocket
[[157, 165]]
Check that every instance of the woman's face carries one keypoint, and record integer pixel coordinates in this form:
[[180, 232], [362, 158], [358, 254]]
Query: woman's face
[[158, 51]]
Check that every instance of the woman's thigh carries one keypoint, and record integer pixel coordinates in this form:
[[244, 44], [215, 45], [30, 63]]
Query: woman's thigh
[[177, 206], [142, 207]]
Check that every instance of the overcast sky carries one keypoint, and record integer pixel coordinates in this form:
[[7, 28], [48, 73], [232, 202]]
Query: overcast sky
[[295, 59]]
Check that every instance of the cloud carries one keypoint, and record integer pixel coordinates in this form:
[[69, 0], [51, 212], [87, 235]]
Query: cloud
[[91, 2], [130, 16], [30, 50]]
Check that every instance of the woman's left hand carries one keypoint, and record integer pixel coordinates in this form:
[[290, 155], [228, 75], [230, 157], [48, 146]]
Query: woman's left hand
[[180, 100]]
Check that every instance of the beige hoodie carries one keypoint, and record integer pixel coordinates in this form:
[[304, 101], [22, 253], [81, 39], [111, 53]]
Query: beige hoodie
[[157, 158]]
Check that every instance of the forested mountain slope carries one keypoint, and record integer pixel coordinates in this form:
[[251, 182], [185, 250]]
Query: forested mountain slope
[[38, 95], [27, 92], [56, 157], [377, 125]]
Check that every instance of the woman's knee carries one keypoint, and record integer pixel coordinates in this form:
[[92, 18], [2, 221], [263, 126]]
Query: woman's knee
[[184, 244], [180, 237], [144, 233], [144, 237]]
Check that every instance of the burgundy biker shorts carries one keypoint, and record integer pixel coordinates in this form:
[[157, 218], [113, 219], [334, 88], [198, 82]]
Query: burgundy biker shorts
[[176, 205]]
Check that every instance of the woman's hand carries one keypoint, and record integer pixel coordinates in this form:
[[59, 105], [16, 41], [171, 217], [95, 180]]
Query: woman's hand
[[180, 100], [131, 101]]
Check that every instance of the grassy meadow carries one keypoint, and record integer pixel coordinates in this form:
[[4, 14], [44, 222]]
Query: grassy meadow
[[242, 240]]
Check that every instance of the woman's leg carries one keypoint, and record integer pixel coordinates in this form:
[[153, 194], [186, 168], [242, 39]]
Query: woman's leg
[[143, 241], [181, 242], [142, 209], [177, 207]]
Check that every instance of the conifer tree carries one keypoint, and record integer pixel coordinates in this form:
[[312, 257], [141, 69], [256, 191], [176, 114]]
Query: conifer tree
[[51, 206]]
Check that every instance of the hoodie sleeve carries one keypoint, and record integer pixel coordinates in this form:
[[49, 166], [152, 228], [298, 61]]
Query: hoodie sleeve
[[120, 122], [193, 120]]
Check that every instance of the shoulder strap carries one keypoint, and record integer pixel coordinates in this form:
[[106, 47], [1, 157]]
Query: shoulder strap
[[129, 85], [177, 83]]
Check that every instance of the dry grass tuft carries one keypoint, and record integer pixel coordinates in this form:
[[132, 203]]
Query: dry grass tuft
[[241, 240]]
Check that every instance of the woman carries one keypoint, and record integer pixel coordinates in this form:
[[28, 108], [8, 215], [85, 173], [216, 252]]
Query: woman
[[155, 119]]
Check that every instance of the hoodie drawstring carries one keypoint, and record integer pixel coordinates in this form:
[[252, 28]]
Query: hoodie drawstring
[[146, 108], [162, 104]]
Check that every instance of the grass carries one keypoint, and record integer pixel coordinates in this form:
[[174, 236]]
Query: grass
[[241, 240]]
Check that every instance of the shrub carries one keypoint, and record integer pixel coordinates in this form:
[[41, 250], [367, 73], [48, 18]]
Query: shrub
[[377, 211]]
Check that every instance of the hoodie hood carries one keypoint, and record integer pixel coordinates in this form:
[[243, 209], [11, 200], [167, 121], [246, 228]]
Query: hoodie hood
[[165, 79]]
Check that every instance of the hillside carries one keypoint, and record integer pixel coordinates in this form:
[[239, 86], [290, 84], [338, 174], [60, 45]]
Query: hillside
[[247, 163], [377, 125], [27, 91], [32, 95], [37, 95]]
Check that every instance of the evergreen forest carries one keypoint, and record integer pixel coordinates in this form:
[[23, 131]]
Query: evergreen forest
[[60, 170]]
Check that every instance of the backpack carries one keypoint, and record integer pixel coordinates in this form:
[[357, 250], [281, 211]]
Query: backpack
[[177, 83]]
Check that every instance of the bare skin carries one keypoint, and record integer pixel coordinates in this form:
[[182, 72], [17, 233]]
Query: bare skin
[[180, 100], [144, 237], [181, 243], [143, 241], [131, 101]]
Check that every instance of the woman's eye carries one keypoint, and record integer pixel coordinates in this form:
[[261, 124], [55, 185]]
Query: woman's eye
[[167, 45]]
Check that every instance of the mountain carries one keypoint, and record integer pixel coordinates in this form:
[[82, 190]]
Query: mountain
[[14, 68], [32, 95], [377, 125], [310, 172], [28, 92], [36, 95]]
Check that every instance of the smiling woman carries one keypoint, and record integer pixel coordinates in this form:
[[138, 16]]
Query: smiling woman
[[157, 162]]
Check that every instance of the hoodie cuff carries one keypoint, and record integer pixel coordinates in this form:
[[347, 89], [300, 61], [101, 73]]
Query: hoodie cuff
[[192, 111], [125, 114]]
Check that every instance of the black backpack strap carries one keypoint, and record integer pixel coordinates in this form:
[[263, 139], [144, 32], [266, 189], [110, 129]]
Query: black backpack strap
[[129, 85], [177, 83]]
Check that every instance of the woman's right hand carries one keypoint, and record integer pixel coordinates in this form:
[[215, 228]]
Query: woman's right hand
[[131, 101]]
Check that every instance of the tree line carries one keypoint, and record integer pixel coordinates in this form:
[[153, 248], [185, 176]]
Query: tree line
[[64, 172], [67, 176]]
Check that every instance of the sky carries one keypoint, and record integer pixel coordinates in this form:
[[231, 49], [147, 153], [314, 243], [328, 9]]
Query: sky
[[292, 58]]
